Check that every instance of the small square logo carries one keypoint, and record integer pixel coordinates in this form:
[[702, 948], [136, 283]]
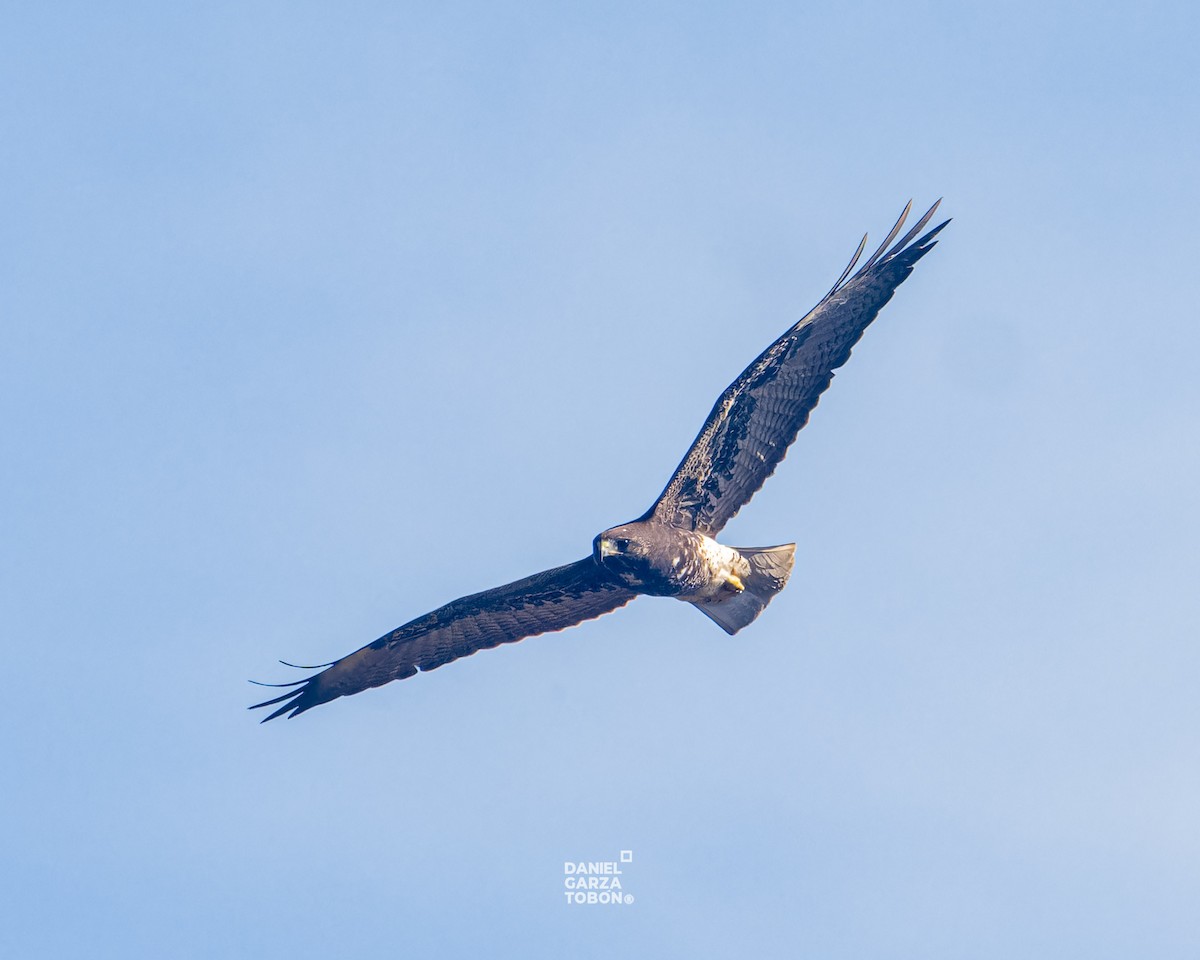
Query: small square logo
[[627, 856]]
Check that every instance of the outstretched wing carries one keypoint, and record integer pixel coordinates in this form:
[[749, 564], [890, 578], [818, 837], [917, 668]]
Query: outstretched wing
[[547, 601], [758, 416]]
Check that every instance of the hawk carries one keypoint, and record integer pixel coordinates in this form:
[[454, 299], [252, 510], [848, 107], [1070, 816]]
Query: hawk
[[669, 551]]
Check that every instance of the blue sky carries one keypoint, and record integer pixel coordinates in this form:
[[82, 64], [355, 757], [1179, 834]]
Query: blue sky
[[316, 317]]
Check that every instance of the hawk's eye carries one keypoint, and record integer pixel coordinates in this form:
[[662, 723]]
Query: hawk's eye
[[622, 545]]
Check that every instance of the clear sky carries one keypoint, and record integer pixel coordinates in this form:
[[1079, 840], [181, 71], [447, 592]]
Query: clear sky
[[318, 316]]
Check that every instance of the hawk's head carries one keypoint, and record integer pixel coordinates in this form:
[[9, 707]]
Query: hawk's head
[[617, 542], [628, 552]]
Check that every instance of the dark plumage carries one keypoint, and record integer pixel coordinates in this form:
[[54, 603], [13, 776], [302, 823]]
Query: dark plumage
[[669, 551]]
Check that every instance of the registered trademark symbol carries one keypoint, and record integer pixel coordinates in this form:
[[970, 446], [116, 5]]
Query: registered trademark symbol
[[629, 898]]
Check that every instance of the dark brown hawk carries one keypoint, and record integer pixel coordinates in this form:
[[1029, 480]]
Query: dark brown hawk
[[669, 551]]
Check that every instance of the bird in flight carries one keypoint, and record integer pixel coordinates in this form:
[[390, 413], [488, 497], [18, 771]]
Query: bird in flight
[[669, 551]]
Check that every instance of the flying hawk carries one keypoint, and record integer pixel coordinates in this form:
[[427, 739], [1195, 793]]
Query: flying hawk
[[669, 551]]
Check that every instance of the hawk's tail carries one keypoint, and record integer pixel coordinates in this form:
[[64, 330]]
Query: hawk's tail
[[769, 571]]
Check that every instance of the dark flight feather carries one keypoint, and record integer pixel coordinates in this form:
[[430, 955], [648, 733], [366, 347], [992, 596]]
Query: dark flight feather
[[862, 245], [890, 237], [755, 420], [551, 600]]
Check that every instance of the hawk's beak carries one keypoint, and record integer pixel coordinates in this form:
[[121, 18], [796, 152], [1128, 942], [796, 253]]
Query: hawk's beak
[[608, 549]]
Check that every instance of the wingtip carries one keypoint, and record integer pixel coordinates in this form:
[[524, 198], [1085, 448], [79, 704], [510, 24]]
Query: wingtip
[[904, 242], [927, 242], [862, 245], [292, 705], [892, 234]]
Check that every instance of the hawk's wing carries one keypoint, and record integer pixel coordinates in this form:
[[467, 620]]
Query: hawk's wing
[[758, 416], [550, 600]]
